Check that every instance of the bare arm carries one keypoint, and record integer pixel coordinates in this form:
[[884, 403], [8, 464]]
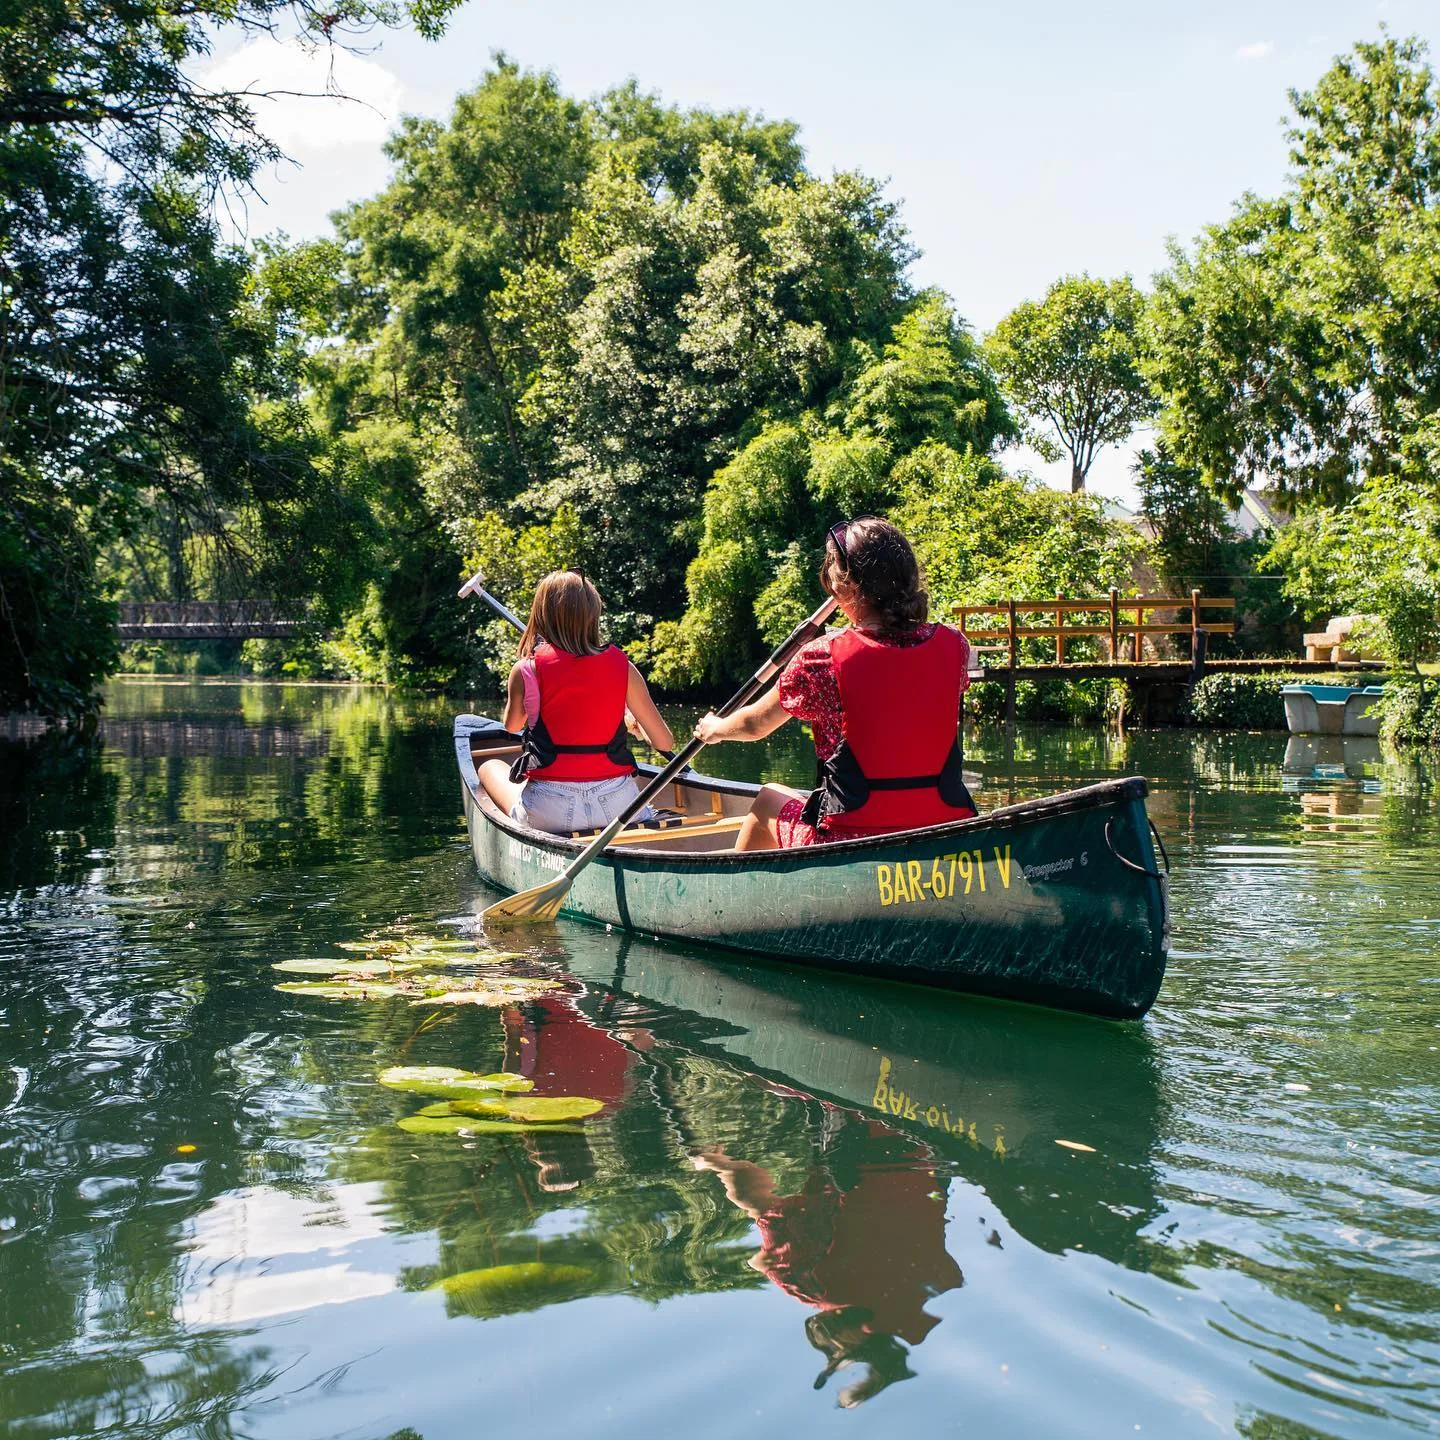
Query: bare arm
[[749, 1187], [750, 722], [515, 701], [642, 707]]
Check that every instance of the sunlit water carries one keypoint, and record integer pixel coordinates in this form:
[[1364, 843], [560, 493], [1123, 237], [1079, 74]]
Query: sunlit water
[[761, 1233]]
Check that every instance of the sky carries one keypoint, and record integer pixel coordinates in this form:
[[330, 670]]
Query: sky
[[1024, 141]]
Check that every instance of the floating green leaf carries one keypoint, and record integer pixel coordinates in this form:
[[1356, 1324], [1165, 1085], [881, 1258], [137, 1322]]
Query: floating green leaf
[[509, 1081], [367, 990], [534, 1109], [509, 1289], [449, 1083], [362, 969], [512, 990], [468, 1125]]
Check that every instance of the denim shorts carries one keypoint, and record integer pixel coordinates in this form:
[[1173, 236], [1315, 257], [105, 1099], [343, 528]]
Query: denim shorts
[[561, 806]]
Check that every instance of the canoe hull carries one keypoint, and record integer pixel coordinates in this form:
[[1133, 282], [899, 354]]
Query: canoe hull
[[1059, 902]]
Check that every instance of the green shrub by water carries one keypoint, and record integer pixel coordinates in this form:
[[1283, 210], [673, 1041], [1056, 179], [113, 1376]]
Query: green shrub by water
[[1054, 701], [1410, 715], [1239, 702]]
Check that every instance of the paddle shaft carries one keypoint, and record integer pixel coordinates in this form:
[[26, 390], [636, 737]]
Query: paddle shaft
[[475, 586], [807, 630]]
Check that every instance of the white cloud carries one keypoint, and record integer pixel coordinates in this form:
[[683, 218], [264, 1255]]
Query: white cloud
[[1258, 50], [338, 99]]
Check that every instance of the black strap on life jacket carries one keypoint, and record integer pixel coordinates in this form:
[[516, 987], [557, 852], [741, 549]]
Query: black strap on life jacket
[[841, 785], [538, 750]]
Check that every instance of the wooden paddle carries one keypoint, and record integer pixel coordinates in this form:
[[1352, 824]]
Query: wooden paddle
[[543, 902]]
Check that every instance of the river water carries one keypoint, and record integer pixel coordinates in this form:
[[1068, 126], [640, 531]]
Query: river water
[[212, 1225]]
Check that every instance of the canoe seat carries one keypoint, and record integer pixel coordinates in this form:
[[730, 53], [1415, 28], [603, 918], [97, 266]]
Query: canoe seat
[[662, 820], [701, 833]]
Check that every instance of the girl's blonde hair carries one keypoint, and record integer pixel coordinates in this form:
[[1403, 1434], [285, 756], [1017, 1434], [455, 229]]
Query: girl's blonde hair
[[566, 611]]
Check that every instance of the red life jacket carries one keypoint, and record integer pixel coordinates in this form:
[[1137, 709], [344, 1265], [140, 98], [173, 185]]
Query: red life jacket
[[580, 731], [898, 764]]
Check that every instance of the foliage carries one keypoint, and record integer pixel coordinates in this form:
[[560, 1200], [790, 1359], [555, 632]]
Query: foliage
[[1410, 714], [1069, 365], [1070, 702], [1187, 517], [1239, 702], [1195, 548], [766, 513], [1299, 339], [983, 537], [146, 401], [1377, 555], [569, 314]]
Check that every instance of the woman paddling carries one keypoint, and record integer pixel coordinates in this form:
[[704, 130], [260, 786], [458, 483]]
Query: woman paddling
[[882, 699], [570, 694]]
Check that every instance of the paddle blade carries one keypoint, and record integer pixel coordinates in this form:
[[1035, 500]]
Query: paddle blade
[[542, 902]]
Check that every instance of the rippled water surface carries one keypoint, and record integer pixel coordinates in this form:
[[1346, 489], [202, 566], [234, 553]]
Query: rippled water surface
[[211, 1223]]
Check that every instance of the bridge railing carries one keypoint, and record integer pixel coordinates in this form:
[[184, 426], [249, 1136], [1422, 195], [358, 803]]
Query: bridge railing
[[206, 620], [1120, 621]]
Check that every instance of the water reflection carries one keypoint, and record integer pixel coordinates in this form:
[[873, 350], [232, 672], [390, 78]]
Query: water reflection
[[794, 1179]]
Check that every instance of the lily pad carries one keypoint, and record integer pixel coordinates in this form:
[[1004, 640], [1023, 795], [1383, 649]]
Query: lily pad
[[360, 990], [448, 1083], [309, 967], [509, 990], [468, 1125], [351, 969], [508, 1081], [374, 947], [532, 1109], [509, 1289]]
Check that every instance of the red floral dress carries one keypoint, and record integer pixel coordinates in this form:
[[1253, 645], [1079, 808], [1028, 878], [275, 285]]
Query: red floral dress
[[809, 691]]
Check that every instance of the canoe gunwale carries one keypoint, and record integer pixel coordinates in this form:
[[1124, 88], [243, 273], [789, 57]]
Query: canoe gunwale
[[1102, 794]]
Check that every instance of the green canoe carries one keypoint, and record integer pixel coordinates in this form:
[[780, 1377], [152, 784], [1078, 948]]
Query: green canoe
[[1057, 901]]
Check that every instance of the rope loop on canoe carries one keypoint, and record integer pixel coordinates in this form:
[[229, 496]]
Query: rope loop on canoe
[[1130, 864], [1164, 853]]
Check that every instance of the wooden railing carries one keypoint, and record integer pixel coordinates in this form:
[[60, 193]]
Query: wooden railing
[[1121, 619]]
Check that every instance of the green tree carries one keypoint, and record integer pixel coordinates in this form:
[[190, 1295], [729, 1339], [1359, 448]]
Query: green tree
[[1299, 339], [984, 537], [767, 511], [131, 351], [1187, 517], [1377, 555], [574, 313], [1070, 367]]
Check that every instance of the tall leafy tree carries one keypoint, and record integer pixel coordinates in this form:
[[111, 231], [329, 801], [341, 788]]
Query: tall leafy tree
[[569, 314], [1300, 340], [1069, 365], [131, 353], [925, 389]]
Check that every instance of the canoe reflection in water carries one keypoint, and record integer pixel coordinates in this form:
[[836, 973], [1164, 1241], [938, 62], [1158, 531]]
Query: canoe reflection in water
[[838, 1118], [862, 1241]]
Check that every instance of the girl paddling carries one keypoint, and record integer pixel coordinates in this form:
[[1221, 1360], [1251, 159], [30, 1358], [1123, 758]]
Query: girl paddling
[[569, 695], [882, 699]]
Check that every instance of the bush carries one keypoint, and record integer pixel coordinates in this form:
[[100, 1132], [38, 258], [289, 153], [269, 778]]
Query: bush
[[1239, 702], [1063, 701], [1410, 715]]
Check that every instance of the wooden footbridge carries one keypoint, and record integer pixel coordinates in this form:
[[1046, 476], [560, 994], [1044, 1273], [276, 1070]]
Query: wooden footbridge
[[1123, 629], [207, 620]]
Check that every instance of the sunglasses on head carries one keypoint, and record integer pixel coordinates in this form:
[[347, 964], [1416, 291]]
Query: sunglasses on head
[[840, 530]]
